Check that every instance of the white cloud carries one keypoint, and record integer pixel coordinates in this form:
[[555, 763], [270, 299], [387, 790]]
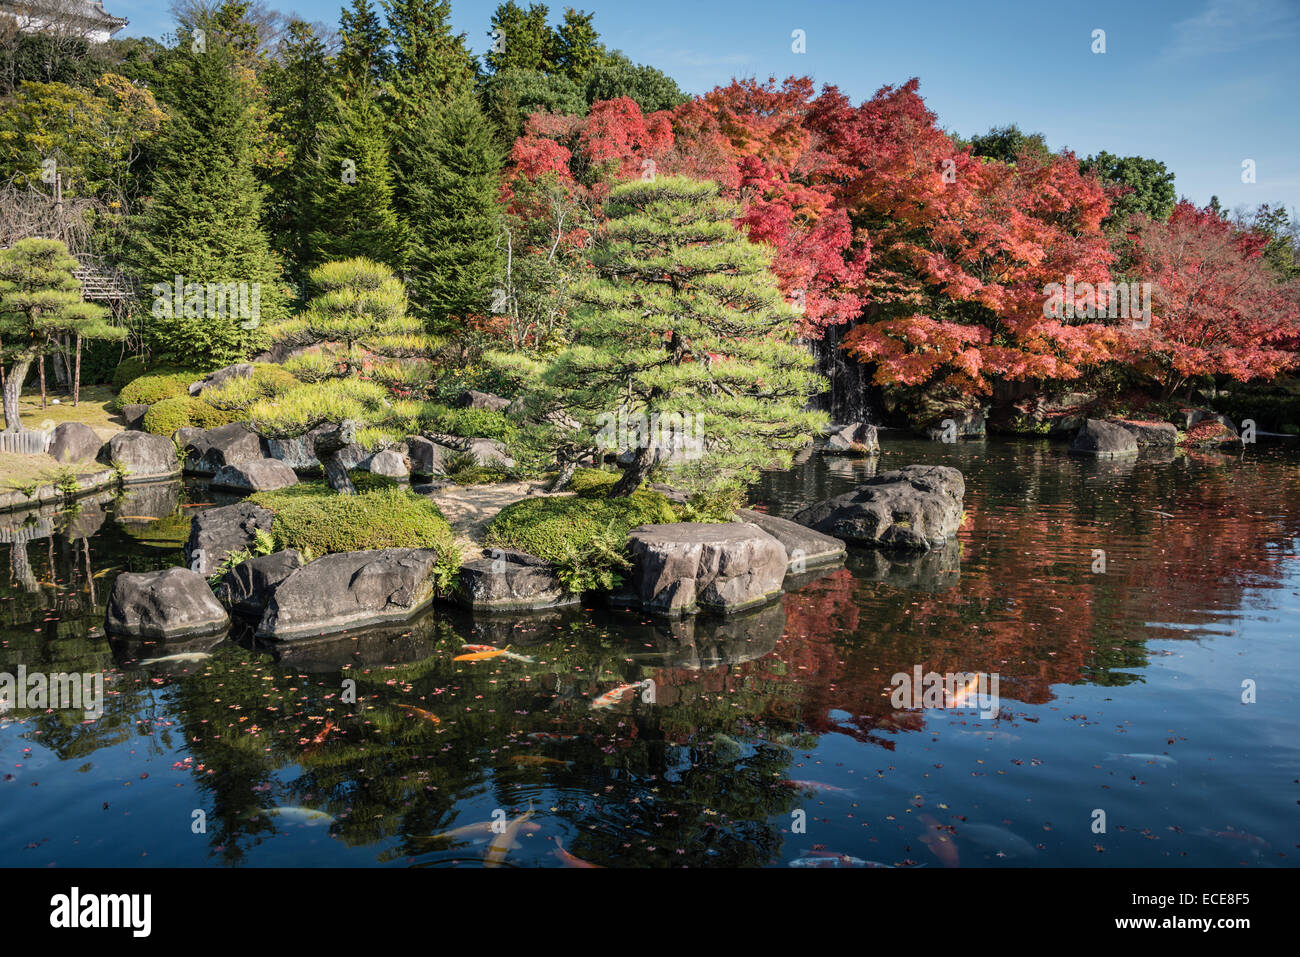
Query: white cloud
[[1229, 26]]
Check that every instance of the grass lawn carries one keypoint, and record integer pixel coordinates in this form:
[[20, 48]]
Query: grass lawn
[[92, 410], [18, 471]]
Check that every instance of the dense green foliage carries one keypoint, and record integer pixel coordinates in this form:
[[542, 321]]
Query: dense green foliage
[[316, 521], [149, 389], [168, 415], [582, 537]]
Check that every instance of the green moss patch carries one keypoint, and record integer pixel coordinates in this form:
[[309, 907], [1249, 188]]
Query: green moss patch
[[584, 538], [165, 417], [318, 521]]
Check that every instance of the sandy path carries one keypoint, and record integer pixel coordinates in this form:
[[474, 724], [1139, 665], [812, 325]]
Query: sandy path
[[469, 509]]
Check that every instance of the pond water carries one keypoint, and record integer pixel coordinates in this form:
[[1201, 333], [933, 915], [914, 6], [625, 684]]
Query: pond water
[[770, 739]]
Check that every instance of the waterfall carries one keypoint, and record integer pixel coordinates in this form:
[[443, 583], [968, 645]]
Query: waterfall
[[851, 397]]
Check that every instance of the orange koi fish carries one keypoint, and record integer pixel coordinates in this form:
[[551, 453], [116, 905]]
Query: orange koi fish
[[320, 738], [571, 861], [482, 655], [939, 842], [427, 715], [615, 695]]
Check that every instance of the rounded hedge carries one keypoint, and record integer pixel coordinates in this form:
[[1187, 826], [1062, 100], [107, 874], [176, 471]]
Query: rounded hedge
[[165, 417], [148, 389], [130, 368], [316, 520]]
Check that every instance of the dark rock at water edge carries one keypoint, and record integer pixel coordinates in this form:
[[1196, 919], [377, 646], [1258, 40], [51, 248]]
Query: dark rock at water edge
[[350, 590], [145, 457], [510, 580], [232, 444], [1104, 439], [259, 475], [804, 547], [692, 566], [247, 588], [918, 507], [172, 603], [857, 438], [216, 532]]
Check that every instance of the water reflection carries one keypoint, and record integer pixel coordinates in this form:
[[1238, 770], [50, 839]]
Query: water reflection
[[360, 748]]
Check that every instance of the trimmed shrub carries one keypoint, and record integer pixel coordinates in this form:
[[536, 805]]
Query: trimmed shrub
[[165, 417], [584, 538], [317, 521], [132, 367], [593, 483], [148, 389], [467, 423]]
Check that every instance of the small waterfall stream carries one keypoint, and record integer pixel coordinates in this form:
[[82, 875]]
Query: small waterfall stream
[[851, 397]]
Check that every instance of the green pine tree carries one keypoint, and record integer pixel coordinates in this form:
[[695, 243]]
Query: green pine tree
[[351, 189], [300, 85], [577, 46], [455, 255], [430, 63], [203, 222], [40, 300], [364, 50], [684, 321]]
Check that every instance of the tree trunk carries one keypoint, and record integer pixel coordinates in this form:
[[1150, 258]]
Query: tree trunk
[[42, 370], [13, 387], [646, 456], [327, 446], [76, 378]]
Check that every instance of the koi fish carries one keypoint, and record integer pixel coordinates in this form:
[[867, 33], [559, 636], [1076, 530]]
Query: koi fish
[[320, 738], [427, 715], [539, 761], [940, 843], [829, 859], [306, 816], [477, 648], [474, 831], [571, 861], [615, 695], [999, 839], [481, 655], [816, 786], [1161, 759], [1257, 843], [963, 693], [182, 656], [500, 846], [553, 736]]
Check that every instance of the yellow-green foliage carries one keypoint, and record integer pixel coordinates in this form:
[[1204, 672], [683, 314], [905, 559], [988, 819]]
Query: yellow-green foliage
[[314, 366], [318, 521], [407, 376], [149, 389], [582, 537], [165, 417], [267, 381], [593, 483], [333, 400]]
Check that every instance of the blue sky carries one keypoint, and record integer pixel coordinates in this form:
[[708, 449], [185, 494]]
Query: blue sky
[[1201, 84]]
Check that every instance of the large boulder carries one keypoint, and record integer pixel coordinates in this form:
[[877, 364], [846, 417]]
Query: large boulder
[[857, 438], [75, 442], [1104, 439], [1150, 435], [240, 370], [473, 399], [918, 507], [144, 456], [247, 588], [259, 475], [216, 532], [487, 452], [391, 463], [172, 603], [427, 456], [804, 547], [232, 444], [299, 452], [964, 425], [691, 566], [510, 580], [351, 590], [133, 415]]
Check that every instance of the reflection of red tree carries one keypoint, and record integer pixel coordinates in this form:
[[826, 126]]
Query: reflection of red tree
[[1027, 605]]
